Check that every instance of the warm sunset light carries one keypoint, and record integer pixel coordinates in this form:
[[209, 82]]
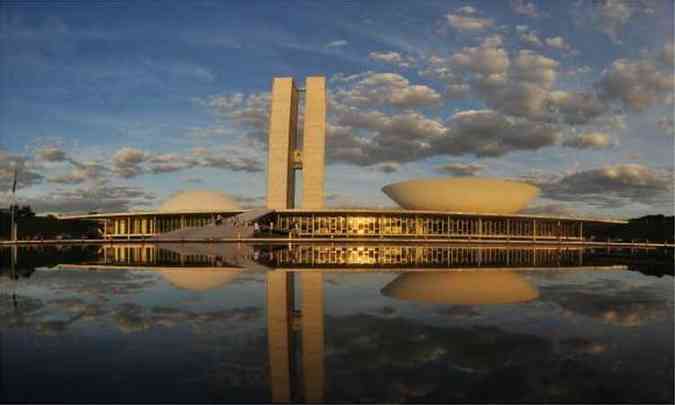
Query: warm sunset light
[[301, 201]]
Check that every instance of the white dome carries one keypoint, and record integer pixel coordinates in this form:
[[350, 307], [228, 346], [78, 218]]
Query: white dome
[[202, 200]]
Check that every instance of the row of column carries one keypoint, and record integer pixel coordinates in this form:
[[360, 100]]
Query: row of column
[[446, 226]]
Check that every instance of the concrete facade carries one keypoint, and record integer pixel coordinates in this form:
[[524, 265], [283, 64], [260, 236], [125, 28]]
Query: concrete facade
[[283, 156], [314, 143], [281, 144]]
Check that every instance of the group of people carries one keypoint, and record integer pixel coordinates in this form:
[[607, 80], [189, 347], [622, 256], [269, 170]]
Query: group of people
[[240, 225]]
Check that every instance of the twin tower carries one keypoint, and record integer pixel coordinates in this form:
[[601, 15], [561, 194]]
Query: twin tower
[[288, 151]]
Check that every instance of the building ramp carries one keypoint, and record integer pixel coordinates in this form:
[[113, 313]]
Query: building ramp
[[238, 226]]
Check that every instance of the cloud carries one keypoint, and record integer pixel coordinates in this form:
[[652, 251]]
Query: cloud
[[367, 138], [226, 159], [130, 162], [80, 173], [26, 175], [518, 85], [530, 38], [370, 137], [51, 154], [487, 133], [577, 70], [128, 156], [337, 44], [207, 132], [533, 68], [522, 7], [614, 300], [613, 186], [169, 162], [466, 23], [637, 84], [558, 43], [387, 167], [487, 59], [467, 10], [666, 124], [589, 140], [576, 108], [387, 89], [393, 58], [249, 112], [522, 90], [126, 162], [460, 169], [612, 15], [100, 197], [457, 91]]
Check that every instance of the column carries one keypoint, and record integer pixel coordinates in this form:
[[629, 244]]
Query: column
[[281, 144], [314, 143], [534, 229]]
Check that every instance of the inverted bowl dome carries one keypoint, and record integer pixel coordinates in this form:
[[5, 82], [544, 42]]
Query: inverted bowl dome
[[462, 194], [199, 200]]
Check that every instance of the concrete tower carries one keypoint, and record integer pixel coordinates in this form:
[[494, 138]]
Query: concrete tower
[[314, 143], [281, 144], [283, 157]]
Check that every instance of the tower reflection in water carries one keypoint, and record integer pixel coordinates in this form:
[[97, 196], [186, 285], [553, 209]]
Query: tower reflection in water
[[282, 323]]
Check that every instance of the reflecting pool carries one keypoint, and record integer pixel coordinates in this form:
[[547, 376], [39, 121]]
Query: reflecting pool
[[327, 323]]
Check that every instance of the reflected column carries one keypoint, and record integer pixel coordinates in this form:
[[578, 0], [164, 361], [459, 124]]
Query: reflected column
[[312, 336], [280, 293]]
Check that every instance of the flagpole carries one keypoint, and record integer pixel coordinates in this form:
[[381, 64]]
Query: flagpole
[[12, 208]]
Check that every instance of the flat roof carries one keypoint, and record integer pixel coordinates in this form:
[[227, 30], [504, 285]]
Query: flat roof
[[357, 211], [474, 214], [147, 213]]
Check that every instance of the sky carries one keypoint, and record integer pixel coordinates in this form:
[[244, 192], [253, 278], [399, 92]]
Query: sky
[[114, 106]]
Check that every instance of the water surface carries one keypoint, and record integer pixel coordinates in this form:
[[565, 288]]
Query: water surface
[[110, 330]]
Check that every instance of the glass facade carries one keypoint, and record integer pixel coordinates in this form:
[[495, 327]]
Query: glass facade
[[327, 224], [380, 256], [410, 225], [149, 225], [395, 256]]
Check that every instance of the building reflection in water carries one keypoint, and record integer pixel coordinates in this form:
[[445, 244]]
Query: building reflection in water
[[462, 287], [316, 256], [392, 256], [296, 330]]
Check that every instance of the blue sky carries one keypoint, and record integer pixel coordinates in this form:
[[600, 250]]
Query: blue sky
[[116, 105]]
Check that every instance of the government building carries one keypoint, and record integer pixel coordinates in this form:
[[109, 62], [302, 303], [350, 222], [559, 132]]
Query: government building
[[441, 208]]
